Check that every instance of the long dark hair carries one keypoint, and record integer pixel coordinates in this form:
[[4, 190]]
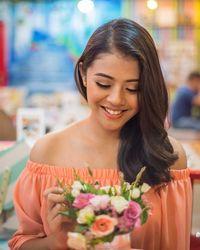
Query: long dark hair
[[143, 139]]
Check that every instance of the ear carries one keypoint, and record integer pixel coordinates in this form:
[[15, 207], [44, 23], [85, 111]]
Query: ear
[[83, 76]]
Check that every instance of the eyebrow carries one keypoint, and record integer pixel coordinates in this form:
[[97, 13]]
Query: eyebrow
[[112, 78]]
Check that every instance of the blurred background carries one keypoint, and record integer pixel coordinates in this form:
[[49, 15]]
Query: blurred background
[[40, 42]]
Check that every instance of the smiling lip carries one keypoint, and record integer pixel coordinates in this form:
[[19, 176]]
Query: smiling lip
[[113, 114]]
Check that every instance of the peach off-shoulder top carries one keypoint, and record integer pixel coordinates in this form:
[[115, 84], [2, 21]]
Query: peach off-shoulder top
[[168, 227]]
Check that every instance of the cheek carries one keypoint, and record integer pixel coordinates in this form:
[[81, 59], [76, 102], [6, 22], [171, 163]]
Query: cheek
[[93, 94], [134, 102]]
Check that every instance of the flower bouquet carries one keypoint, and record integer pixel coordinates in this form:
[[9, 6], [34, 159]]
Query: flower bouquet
[[103, 213]]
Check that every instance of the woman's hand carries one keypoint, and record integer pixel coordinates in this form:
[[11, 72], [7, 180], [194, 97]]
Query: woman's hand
[[58, 224]]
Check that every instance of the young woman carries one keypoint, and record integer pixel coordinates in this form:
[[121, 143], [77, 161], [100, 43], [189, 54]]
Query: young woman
[[120, 77]]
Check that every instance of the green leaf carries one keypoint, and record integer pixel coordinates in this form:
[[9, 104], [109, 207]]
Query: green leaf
[[90, 171], [60, 184], [144, 215], [107, 238], [89, 189], [77, 177], [100, 192], [65, 213], [126, 195], [69, 198], [72, 213], [138, 177], [81, 228], [110, 192]]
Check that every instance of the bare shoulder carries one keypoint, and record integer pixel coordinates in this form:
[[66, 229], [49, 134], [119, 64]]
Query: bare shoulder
[[45, 147], [181, 163], [51, 149]]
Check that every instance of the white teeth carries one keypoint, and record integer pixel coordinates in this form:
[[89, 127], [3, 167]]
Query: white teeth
[[113, 112]]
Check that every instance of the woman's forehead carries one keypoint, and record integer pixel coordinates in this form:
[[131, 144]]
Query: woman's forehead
[[115, 63]]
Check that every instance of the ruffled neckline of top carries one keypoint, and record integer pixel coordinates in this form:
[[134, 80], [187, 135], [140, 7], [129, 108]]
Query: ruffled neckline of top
[[67, 171]]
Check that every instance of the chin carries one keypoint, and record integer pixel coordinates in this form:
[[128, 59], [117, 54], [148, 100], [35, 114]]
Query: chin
[[112, 127]]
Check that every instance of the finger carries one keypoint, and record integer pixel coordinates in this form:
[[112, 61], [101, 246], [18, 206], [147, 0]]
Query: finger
[[56, 190], [53, 199], [60, 221], [56, 210], [57, 220]]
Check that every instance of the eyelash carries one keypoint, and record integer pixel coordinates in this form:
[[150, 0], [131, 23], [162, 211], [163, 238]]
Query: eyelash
[[102, 85], [107, 86], [133, 90]]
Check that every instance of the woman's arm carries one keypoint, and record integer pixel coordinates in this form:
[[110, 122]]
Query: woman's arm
[[58, 224], [39, 244], [47, 243], [41, 225]]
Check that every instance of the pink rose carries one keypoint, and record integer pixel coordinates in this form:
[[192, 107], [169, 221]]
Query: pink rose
[[82, 200], [130, 217]]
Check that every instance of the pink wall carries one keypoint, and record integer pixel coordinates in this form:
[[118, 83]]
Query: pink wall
[[3, 59]]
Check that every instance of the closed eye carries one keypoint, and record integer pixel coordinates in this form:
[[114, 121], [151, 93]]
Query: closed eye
[[133, 90], [104, 86]]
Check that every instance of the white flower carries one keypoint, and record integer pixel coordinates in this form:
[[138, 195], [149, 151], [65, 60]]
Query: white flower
[[77, 185], [100, 201], [135, 193], [76, 188], [119, 203], [127, 185], [105, 188], [75, 192], [85, 215], [76, 241], [145, 187]]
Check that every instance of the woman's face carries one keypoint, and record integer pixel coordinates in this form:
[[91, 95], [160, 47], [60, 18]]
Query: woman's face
[[112, 89]]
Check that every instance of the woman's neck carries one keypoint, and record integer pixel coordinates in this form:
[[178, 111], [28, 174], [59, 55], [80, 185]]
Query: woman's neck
[[98, 134]]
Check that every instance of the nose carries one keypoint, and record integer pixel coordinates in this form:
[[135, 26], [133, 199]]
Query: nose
[[116, 97]]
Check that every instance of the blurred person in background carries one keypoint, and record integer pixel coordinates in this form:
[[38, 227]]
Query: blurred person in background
[[187, 97]]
